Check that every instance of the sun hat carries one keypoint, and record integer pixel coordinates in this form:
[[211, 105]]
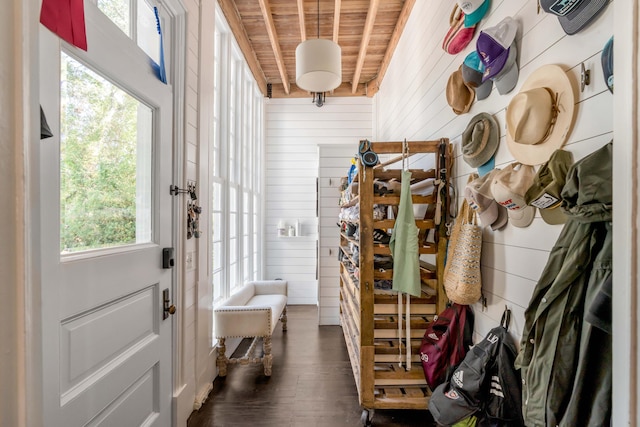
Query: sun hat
[[493, 46], [508, 188], [574, 15], [460, 95], [540, 117], [458, 36], [547, 185], [479, 197], [472, 72], [607, 64], [480, 140], [474, 10], [507, 78]]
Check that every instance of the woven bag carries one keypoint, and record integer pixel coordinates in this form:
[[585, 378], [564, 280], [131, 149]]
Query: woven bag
[[462, 280]]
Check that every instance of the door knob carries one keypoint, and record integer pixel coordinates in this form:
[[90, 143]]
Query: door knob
[[168, 309]]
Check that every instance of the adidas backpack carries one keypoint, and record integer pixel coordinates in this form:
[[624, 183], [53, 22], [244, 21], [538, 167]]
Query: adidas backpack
[[485, 385]]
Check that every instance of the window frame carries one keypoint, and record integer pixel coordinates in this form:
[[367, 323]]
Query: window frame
[[237, 145]]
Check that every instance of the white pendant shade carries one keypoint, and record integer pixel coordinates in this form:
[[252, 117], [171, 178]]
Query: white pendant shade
[[318, 65]]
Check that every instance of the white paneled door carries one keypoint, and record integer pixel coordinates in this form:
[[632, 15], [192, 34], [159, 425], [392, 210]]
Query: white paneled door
[[106, 217]]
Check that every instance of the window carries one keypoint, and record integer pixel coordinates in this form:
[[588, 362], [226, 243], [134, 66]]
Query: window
[[105, 162], [236, 184]]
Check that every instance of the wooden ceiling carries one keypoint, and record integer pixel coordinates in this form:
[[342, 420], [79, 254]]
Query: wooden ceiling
[[268, 32]]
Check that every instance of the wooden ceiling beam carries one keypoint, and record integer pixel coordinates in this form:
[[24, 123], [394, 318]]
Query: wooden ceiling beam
[[374, 85], [303, 28], [336, 20], [235, 23], [366, 35], [265, 7], [344, 90]]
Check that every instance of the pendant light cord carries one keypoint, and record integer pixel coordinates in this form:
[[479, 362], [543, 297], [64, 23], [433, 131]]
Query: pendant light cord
[[318, 18]]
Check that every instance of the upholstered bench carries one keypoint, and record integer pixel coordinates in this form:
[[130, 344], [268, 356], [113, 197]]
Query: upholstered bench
[[252, 312]]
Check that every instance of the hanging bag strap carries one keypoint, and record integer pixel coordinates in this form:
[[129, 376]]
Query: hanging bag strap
[[506, 318]]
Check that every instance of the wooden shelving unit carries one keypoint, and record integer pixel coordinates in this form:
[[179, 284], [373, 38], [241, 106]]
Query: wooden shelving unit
[[369, 316]]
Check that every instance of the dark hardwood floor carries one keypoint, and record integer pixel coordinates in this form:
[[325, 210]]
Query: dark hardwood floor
[[311, 385]]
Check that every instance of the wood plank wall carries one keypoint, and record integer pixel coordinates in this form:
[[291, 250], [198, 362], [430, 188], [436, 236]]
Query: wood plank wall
[[412, 104], [294, 128]]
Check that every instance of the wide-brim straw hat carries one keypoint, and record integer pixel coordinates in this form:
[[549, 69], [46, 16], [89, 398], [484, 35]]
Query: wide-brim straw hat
[[534, 129]]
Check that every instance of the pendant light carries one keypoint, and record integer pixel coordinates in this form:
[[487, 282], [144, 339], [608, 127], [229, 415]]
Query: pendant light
[[318, 66]]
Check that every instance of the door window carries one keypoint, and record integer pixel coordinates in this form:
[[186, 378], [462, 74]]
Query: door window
[[105, 162]]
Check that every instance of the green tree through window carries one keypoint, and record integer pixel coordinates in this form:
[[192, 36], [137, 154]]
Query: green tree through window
[[99, 159]]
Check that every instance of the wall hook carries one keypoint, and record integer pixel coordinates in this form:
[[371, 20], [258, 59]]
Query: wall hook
[[585, 77], [174, 190]]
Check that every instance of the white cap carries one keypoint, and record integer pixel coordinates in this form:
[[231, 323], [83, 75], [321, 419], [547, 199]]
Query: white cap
[[509, 187], [470, 6], [504, 33]]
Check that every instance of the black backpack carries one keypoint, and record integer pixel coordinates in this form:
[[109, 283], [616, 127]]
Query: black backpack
[[485, 384]]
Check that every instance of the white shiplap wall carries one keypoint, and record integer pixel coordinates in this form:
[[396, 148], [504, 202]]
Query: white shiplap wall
[[334, 161], [294, 128], [411, 104]]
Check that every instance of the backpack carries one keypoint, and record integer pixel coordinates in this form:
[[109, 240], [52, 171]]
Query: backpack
[[445, 343], [485, 384]]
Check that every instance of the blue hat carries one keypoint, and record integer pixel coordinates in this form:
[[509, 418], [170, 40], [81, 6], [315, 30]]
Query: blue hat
[[472, 73], [487, 167], [607, 64]]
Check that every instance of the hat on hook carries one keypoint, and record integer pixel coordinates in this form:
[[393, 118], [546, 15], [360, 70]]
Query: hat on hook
[[480, 140], [540, 117], [459, 35], [474, 10], [545, 192], [460, 94], [493, 46], [472, 72], [574, 15], [509, 186], [480, 199]]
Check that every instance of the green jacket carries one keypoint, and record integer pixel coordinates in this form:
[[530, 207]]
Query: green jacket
[[556, 341]]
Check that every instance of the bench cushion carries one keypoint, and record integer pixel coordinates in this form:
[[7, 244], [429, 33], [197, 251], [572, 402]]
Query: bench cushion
[[253, 311], [276, 302]]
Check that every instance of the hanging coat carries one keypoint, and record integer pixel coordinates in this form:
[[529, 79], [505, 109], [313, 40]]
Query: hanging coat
[[404, 243], [557, 344]]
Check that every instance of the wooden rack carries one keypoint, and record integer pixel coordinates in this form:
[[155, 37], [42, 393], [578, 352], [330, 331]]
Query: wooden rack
[[369, 316]]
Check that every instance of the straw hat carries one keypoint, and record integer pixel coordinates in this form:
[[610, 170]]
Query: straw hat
[[460, 94], [540, 117]]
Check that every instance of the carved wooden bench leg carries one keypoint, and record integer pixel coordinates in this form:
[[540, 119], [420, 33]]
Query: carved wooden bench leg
[[222, 358], [283, 319], [267, 359]]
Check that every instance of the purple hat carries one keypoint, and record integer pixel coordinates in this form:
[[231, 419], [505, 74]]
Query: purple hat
[[493, 46]]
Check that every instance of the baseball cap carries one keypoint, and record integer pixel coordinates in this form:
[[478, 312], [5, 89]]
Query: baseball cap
[[474, 10], [507, 78], [472, 73], [480, 199], [487, 167], [459, 35], [509, 187], [607, 64], [547, 185], [574, 15], [493, 46]]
